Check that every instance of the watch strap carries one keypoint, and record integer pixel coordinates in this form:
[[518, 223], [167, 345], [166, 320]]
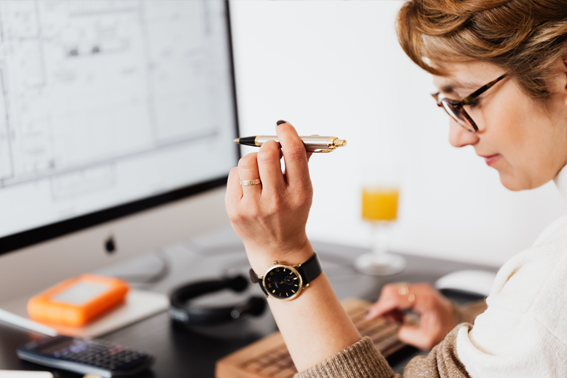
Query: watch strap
[[253, 276], [310, 269], [255, 279]]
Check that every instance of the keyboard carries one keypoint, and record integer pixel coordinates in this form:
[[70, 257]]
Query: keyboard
[[269, 358]]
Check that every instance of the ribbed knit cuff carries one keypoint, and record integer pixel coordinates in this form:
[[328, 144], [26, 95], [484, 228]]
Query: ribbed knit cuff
[[360, 360]]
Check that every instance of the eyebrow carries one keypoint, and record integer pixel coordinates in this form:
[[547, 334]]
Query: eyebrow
[[450, 87]]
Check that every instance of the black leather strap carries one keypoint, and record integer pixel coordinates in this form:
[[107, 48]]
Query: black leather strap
[[254, 278], [310, 269]]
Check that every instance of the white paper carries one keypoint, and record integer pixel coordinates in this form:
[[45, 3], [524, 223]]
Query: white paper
[[25, 374]]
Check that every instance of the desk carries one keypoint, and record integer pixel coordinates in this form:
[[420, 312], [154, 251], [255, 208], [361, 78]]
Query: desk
[[193, 354]]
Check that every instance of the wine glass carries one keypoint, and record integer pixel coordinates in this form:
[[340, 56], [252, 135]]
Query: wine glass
[[380, 209]]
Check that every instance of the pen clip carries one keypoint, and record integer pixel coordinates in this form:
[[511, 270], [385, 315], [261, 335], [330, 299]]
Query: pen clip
[[324, 151]]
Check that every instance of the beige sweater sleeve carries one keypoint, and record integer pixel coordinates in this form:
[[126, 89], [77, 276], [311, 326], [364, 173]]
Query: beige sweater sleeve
[[362, 360]]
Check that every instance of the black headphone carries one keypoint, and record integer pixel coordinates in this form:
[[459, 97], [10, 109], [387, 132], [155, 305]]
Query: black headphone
[[182, 313]]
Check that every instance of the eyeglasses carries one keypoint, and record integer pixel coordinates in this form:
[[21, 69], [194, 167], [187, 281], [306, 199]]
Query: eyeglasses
[[456, 110]]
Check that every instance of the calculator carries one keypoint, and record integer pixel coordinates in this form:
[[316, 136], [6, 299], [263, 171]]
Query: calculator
[[86, 356]]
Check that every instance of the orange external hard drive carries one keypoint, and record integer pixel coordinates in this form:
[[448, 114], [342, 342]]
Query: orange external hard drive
[[77, 301]]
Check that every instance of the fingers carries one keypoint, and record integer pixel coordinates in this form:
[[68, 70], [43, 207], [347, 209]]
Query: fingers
[[297, 171], [248, 170], [436, 314], [269, 166], [412, 335], [395, 316], [233, 187], [390, 299], [309, 154]]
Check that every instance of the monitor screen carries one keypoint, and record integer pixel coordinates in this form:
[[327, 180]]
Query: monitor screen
[[108, 108]]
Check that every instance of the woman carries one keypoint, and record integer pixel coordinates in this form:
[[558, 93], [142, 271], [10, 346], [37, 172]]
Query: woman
[[511, 55]]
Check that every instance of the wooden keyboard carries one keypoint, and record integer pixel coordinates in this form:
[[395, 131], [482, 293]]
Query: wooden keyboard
[[269, 358]]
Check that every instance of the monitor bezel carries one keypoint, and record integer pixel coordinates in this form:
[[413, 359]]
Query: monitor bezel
[[41, 234]]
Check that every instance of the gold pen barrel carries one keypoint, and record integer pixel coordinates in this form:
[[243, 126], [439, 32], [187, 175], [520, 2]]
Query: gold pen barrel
[[312, 143]]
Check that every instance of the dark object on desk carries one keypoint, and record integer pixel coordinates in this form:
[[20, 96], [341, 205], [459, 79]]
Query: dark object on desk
[[85, 356], [184, 314], [269, 358], [462, 297]]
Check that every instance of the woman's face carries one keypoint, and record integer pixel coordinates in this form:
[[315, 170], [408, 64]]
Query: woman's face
[[525, 140]]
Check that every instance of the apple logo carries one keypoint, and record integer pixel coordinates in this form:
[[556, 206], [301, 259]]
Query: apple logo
[[110, 245]]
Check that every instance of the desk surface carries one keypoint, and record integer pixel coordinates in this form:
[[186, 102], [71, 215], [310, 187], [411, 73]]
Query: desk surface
[[194, 353]]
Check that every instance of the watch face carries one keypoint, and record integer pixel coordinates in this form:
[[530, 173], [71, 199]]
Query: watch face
[[283, 282]]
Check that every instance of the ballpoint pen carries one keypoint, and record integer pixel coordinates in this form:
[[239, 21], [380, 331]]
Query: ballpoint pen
[[312, 143]]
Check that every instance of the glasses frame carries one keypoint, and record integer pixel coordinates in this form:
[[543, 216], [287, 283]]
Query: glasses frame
[[458, 106]]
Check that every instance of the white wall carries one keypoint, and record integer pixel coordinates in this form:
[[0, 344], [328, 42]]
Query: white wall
[[335, 68]]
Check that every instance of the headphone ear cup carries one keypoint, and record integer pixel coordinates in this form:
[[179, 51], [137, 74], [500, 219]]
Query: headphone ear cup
[[238, 283], [257, 305]]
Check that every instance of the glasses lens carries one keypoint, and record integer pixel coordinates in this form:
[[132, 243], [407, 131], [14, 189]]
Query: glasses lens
[[457, 115]]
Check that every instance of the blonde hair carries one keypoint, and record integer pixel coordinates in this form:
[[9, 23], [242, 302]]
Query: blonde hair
[[524, 37]]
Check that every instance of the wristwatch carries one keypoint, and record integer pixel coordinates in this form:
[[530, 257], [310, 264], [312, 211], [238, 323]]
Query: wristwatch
[[285, 282]]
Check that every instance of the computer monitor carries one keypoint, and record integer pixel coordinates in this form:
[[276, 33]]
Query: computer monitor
[[112, 114]]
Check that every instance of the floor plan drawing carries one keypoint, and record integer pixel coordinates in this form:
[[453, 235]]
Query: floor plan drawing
[[87, 83]]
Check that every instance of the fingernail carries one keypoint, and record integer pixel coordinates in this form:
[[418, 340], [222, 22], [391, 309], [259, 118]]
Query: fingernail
[[281, 121], [367, 314]]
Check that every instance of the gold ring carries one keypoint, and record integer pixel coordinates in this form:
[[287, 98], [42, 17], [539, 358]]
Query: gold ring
[[404, 290], [250, 182], [411, 298]]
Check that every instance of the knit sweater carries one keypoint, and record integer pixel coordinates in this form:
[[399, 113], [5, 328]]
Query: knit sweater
[[362, 360], [521, 333]]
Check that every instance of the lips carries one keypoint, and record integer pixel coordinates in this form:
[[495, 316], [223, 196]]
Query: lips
[[491, 159]]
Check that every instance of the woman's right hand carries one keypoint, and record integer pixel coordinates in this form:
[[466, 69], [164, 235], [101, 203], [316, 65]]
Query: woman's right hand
[[270, 218], [436, 313]]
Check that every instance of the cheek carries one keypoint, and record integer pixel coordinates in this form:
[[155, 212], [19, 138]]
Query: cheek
[[527, 140], [512, 132]]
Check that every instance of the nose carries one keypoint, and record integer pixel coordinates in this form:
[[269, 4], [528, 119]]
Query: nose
[[459, 137]]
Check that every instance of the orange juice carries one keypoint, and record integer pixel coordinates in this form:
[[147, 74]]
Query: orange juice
[[380, 204]]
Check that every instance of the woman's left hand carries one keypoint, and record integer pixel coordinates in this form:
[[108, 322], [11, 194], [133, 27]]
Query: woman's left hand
[[436, 313], [270, 217]]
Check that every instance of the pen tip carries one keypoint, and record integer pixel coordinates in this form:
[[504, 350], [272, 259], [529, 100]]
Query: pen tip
[[237, 140]]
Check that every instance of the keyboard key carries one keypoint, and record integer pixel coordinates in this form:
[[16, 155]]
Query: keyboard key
[[270, 370], [254, 366]]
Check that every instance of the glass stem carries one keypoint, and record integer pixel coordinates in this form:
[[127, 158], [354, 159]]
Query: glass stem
[[381, 238]]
